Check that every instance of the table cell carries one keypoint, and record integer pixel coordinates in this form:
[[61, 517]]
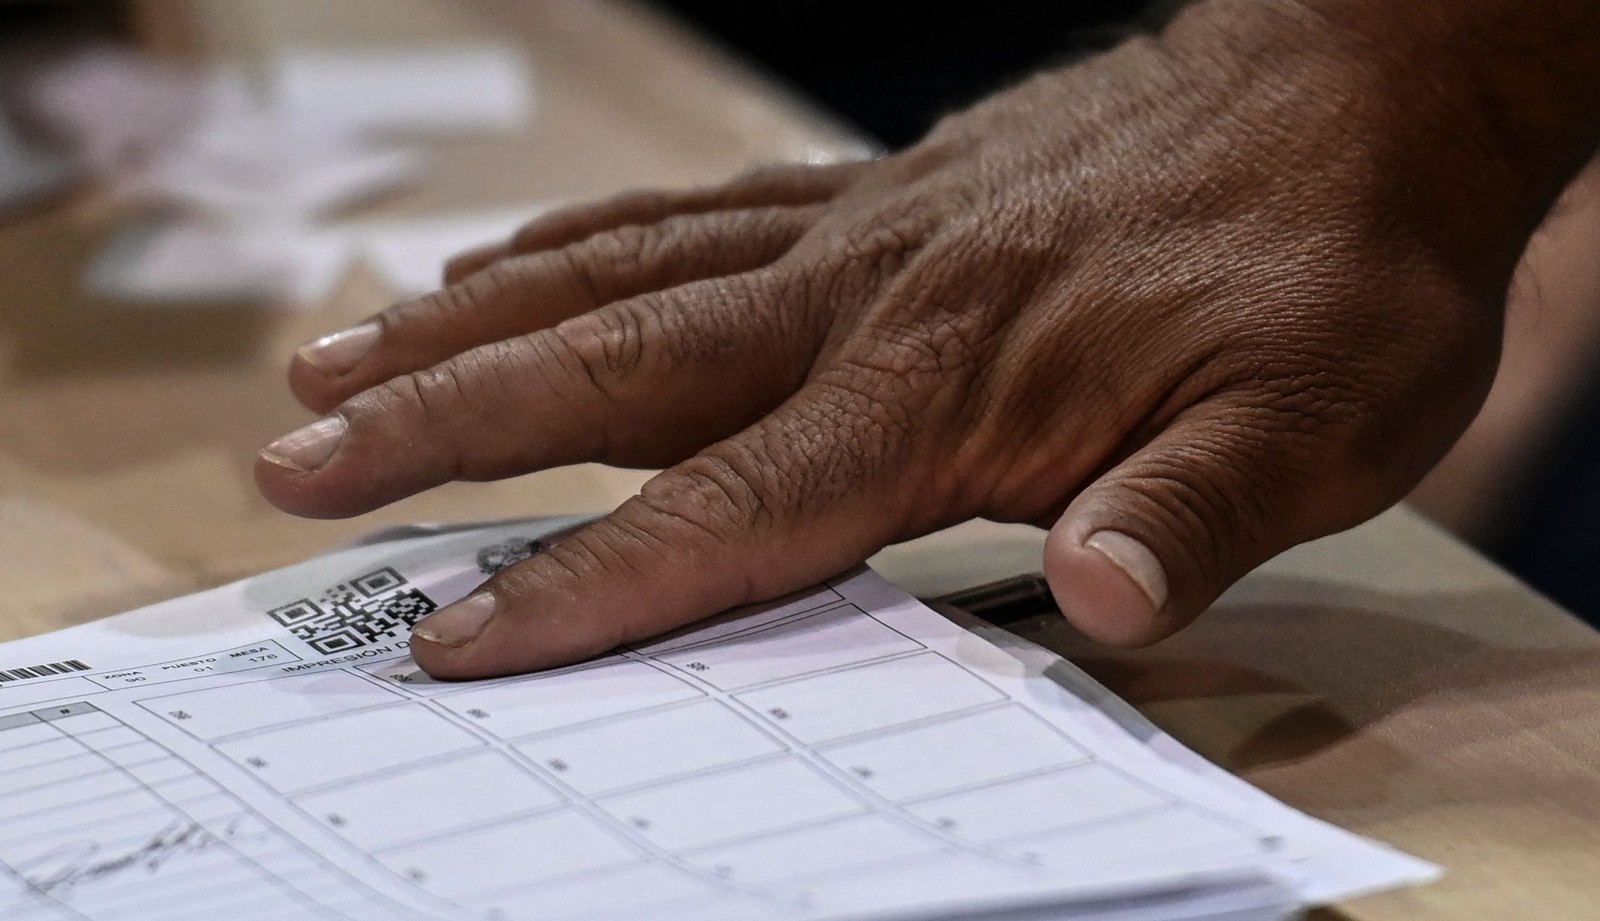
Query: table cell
[[679, 740], [404, 675], [23, 730], [19, 781], [923, 879], [547, 846], [870, 697], [426, 801], [208, 806], [78, 720], [1141, 839], [204, 883], [733, 803], [973, 748], [741, 620], [854, 844], [632, 890], [67, 794], [108, 738], [815, 642], [140, 752], [19, 905], [159, 771], [226, 711], [54, 747], [75, 814], [557, 701], [183, 789], [340, 748], [1060, 799]]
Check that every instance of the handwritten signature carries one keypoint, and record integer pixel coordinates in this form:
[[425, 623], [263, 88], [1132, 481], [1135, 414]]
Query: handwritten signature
[[86, 861]]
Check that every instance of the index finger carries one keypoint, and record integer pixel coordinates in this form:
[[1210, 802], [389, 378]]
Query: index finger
[[777, 507]]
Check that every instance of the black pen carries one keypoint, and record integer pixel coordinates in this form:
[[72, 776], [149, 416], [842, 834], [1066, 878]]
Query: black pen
[[1006, 601]]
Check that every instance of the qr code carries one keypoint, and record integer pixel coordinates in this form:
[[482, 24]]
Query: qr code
[[350, 615]]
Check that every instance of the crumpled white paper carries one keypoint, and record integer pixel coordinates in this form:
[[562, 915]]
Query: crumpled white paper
[[238, 176]]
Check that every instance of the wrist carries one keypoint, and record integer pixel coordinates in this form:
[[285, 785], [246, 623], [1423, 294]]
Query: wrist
[[1471, 115]]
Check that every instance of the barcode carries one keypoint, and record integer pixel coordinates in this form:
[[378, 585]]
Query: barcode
[[42, 671], [350, 615]]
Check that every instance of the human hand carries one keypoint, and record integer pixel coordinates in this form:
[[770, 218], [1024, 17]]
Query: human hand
[[1180, 308]]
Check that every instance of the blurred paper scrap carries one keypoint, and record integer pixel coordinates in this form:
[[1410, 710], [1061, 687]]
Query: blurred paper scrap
[[27, 173], [236, 181]]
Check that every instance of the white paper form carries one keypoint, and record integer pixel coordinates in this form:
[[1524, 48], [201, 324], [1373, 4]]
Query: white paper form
[[269, 750]]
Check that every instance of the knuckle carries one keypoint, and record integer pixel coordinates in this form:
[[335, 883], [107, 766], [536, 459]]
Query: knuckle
[[1190, 494], [675, 239], [599, 261], [562, 351], [576, 222], [863, 410], [451, 303], [839, 443], [883, 250], [608, 346], [719, 319], [911, 378], [864, 261], [703, 241], [938, 343], [410, 396], [581, 269], [623, 336], [439, 397], [565, 569], [1262, 465], [606, 548], [719, 493]]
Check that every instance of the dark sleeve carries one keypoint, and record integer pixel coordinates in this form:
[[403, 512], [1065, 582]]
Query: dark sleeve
[[892, 67]]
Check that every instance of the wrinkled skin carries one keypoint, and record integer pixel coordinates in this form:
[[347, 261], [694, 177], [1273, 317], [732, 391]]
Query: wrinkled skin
[[1182, 312]]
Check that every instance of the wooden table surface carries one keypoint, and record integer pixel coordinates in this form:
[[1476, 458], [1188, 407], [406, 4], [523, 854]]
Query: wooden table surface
[[1386, 679]]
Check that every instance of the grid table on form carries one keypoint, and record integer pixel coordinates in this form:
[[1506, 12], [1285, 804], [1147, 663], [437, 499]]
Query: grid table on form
[[103, 822], [843, 751]]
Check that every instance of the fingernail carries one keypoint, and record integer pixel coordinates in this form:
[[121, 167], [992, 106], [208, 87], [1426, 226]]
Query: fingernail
[[1136, 562], [306, 449], [457, 624], [338, 352]]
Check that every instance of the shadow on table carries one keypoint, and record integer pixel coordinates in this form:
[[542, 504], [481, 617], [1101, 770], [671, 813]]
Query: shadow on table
[[1255, 684], [55, 328], [1384, 712]]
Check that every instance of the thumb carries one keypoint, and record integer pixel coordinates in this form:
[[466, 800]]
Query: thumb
[[1149, 545]]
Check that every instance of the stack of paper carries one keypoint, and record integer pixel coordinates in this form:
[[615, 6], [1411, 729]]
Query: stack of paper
[[268, 750]]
